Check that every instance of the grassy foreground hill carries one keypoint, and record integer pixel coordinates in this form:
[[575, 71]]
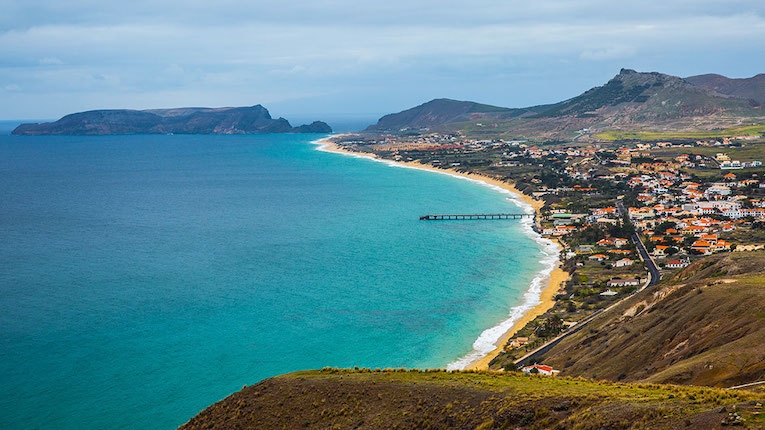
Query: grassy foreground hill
[[347, 399]]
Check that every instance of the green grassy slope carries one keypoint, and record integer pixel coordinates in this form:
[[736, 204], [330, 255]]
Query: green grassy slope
[[346, 399], [648, 136]]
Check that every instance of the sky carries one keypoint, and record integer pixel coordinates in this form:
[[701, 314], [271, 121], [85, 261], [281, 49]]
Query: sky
[[351, 59]]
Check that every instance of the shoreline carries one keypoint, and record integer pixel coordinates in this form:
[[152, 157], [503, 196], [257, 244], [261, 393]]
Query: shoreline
[[549, 279]]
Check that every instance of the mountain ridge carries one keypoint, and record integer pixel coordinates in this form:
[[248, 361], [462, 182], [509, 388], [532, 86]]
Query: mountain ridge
[[189, 120], [441, 111], [630, 100], [753, 87]]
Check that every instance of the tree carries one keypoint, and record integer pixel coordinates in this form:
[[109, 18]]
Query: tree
[[570, 307], [688, 240], [664, 226], [551, 327], [631, 198]]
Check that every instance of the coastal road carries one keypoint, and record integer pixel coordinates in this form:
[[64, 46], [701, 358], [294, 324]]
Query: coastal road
[[751, 384], [534, 356], [653, 271]]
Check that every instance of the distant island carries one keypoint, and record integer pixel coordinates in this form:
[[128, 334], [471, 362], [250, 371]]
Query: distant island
[[228, 120]]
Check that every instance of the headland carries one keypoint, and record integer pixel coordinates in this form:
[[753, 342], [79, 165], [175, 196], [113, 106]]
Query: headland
[[230, 120]]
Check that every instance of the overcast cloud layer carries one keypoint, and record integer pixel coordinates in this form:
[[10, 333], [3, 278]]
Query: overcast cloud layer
[[342, 58]]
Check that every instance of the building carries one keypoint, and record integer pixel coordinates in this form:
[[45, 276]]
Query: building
[[623, 283], [517, 342], [676, 264], [624, 262], [541, 369], [702, 247], [710, 208]]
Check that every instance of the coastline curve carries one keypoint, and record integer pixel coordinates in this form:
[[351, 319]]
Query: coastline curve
[[537, 298]]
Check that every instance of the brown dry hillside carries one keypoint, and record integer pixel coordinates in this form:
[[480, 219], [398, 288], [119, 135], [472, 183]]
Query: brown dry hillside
[[363, 399], [749, 88], [705, 326]]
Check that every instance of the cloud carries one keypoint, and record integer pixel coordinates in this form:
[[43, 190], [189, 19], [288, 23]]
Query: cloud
[[361, 52], [196, 13], [50, 61], [608, 53]]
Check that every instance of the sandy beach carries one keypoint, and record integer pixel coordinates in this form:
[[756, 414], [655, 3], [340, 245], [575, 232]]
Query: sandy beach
[[546, 302], [556, 278]]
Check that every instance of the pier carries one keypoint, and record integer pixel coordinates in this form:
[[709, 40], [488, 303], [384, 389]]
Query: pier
[[440, 217]]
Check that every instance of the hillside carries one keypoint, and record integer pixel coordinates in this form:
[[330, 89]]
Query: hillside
[[705, 326], [240, 120], [438, 112], [629, 101], [649, 97], [746, 88], [346, 399]]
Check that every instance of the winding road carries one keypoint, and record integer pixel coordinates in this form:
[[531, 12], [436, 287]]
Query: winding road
[[653, 271], [654, 278]]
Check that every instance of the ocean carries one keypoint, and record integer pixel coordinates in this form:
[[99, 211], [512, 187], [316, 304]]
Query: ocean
[[143, 278]]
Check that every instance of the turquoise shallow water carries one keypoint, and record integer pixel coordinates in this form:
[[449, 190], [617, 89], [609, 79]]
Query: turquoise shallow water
[[143, 278]]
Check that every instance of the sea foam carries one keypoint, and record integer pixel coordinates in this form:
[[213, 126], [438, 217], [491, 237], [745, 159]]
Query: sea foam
[[549, 254]]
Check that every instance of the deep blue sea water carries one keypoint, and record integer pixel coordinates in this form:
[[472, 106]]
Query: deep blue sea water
[[143, 278]]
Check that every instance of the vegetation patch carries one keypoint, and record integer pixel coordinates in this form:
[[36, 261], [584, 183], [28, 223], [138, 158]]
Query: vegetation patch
[[655, 136]]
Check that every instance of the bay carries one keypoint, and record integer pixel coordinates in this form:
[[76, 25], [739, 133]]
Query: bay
[[143, 278]]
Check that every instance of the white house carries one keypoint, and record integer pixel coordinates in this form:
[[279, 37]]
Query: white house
[[719, 190], [624, 262], [677, 264], [623, 282]]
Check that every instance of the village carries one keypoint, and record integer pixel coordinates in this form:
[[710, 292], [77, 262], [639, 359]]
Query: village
[[681, 201], [683, 205]]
